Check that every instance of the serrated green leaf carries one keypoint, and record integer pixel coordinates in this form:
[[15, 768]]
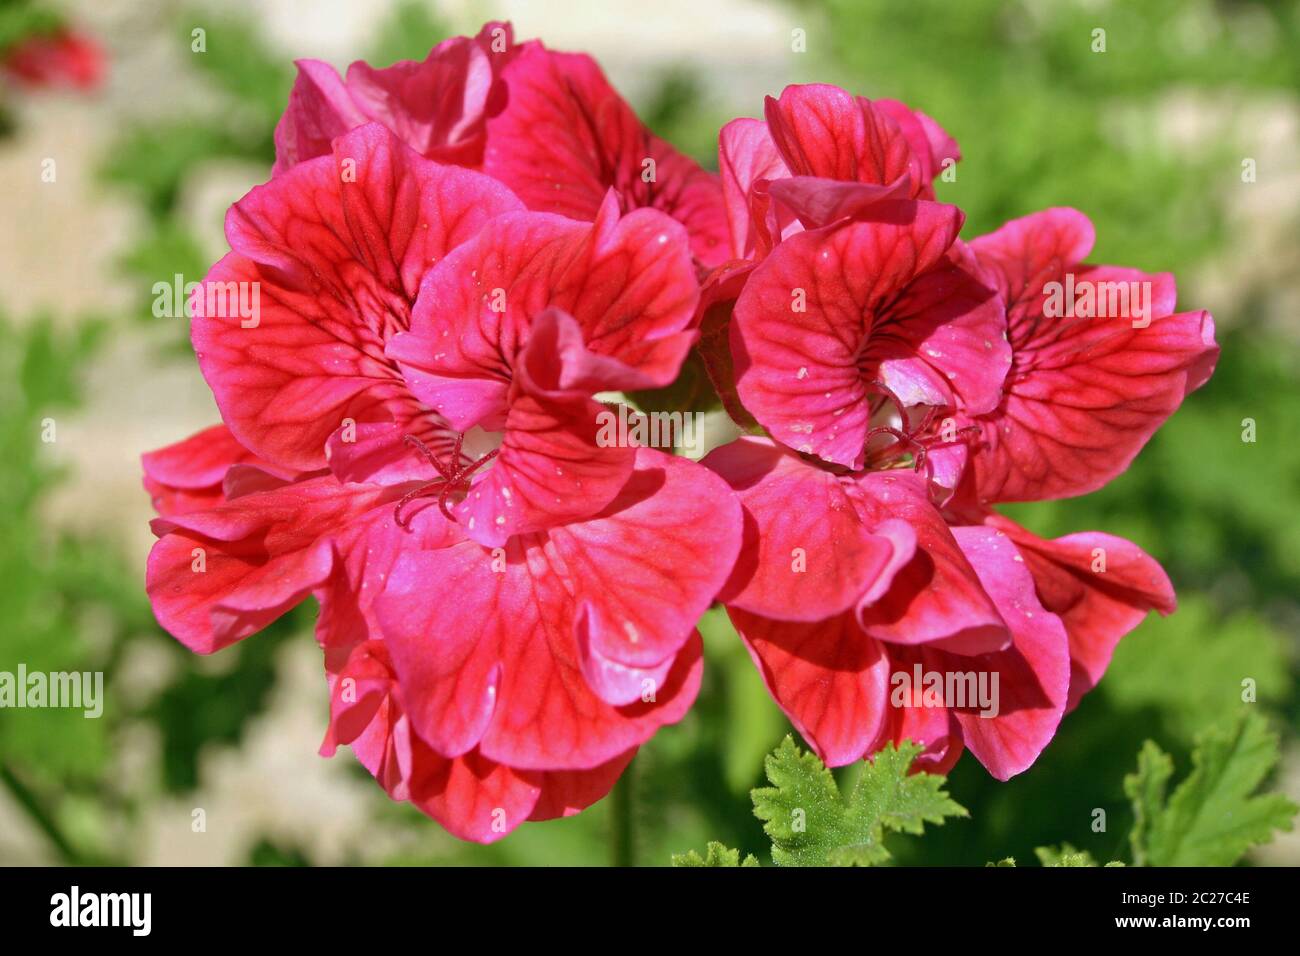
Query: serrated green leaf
[[1213, 817], [1005, 861], [714, 855], [1064, 855], [1146, 792], [811, 824]]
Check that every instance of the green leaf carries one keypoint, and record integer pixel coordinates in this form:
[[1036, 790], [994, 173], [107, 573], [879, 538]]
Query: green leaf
[[1067, 855], [1063, 855], [1005, 861], [1214, 816], [715, 855], [1146, 792], [812, 825]]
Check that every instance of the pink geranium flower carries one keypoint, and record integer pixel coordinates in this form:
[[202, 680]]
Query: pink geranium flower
[[566, 138], [1091, 380], [819, 157], [507, 607], [455, 256], [438, 106], [547, 124], [911, 380]]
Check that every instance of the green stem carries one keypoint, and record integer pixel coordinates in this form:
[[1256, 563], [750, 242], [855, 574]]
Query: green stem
[[622, 846], [28, 800]]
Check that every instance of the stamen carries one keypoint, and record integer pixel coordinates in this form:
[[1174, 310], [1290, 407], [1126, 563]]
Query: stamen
[[409, 496], [429, 456], [453, 475], [903, 438]]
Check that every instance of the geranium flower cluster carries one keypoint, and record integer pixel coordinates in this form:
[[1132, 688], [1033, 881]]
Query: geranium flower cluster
[[59, 57], [456, 262]]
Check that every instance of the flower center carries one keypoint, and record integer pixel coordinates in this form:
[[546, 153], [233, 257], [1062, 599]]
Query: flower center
[[901, 436], [473, 450]]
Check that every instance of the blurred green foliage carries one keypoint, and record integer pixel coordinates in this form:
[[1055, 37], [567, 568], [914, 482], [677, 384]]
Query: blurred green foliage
[[1042, 120], [71, 604]]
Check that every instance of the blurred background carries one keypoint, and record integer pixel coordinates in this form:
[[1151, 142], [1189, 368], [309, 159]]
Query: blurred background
[[1179, 140]]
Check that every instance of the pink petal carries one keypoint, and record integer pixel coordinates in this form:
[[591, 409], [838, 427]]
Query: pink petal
[[1099, 585], [435, 106], [800, 373], [582, 370], [473, 797], [566, 137], [819, 202], [336, 264], [824, 131], [320, 108], [260, 555], [187, 475], [1033, 674], [248, 479], [550, 717], [642, 603], [746, 155], [935, 598], [827, 676], [803, 563], [566, 792], [632, 288], [930, 143], [934, 728], [717, 302], [1027, 252], [1084, 394], [446, 654], [360, 681]]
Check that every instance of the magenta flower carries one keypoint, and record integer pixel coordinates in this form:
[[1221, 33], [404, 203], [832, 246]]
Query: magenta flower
[[411, 410], [546, 124], [438, 106], [912, 379], [1088, 388], [820, 155], [1091, 380], [455, 257]]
